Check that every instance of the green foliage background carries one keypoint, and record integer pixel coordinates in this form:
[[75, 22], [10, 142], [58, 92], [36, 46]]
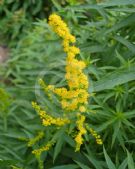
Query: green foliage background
[[105, 32]]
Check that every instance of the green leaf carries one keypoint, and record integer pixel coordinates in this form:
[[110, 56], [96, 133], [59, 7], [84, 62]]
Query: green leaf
[[97, 7], [122, 60], [81, 165], [123, 23], [130, 161], [116, 131], [56, 4], [123, 164], [109, 162], [68, 166], [125, 42], [115, 78], [117, 3], [69, 140], [70, 153], [87, 47], [129, 10], [106, 124], [96, 163], [58, 147], [130, 114], [16, 155], [131, 141], [5, 163]]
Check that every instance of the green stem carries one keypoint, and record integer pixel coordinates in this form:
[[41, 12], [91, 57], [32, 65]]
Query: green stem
[[40, 162]]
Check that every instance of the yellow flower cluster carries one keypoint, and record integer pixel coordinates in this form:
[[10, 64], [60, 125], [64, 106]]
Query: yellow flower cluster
[[75, 98], [37, 152], [96, 136], [48, 120], [36, 139], [61, 29], [46, 88], [82, 131]]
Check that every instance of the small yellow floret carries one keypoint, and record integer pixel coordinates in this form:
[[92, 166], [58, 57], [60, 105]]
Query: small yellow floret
[[82, 109]]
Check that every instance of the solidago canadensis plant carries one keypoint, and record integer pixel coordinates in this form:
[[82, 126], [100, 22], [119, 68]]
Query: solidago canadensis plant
[[73, 98]]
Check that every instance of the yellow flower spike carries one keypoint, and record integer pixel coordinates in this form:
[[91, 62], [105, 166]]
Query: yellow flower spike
[[48, 120], [38, 152], [80, 126], [74, 97], [60, 27], [36, 106], [96, 136], [36, 139], [76, 79]]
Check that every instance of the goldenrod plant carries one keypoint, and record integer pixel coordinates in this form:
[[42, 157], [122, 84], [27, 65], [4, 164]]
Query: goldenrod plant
[[62, 129], [73, 98]]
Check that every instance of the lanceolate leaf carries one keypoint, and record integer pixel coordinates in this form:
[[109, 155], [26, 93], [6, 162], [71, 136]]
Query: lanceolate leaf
[[115, 78], [125, 22], [123, 164], [68, 166], [58, 147], [131, 164], [117, 3], [125, 42], [82, 166], [108, 161]]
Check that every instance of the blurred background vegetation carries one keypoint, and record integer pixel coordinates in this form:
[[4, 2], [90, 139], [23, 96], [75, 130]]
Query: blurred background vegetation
[[105, 31]]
